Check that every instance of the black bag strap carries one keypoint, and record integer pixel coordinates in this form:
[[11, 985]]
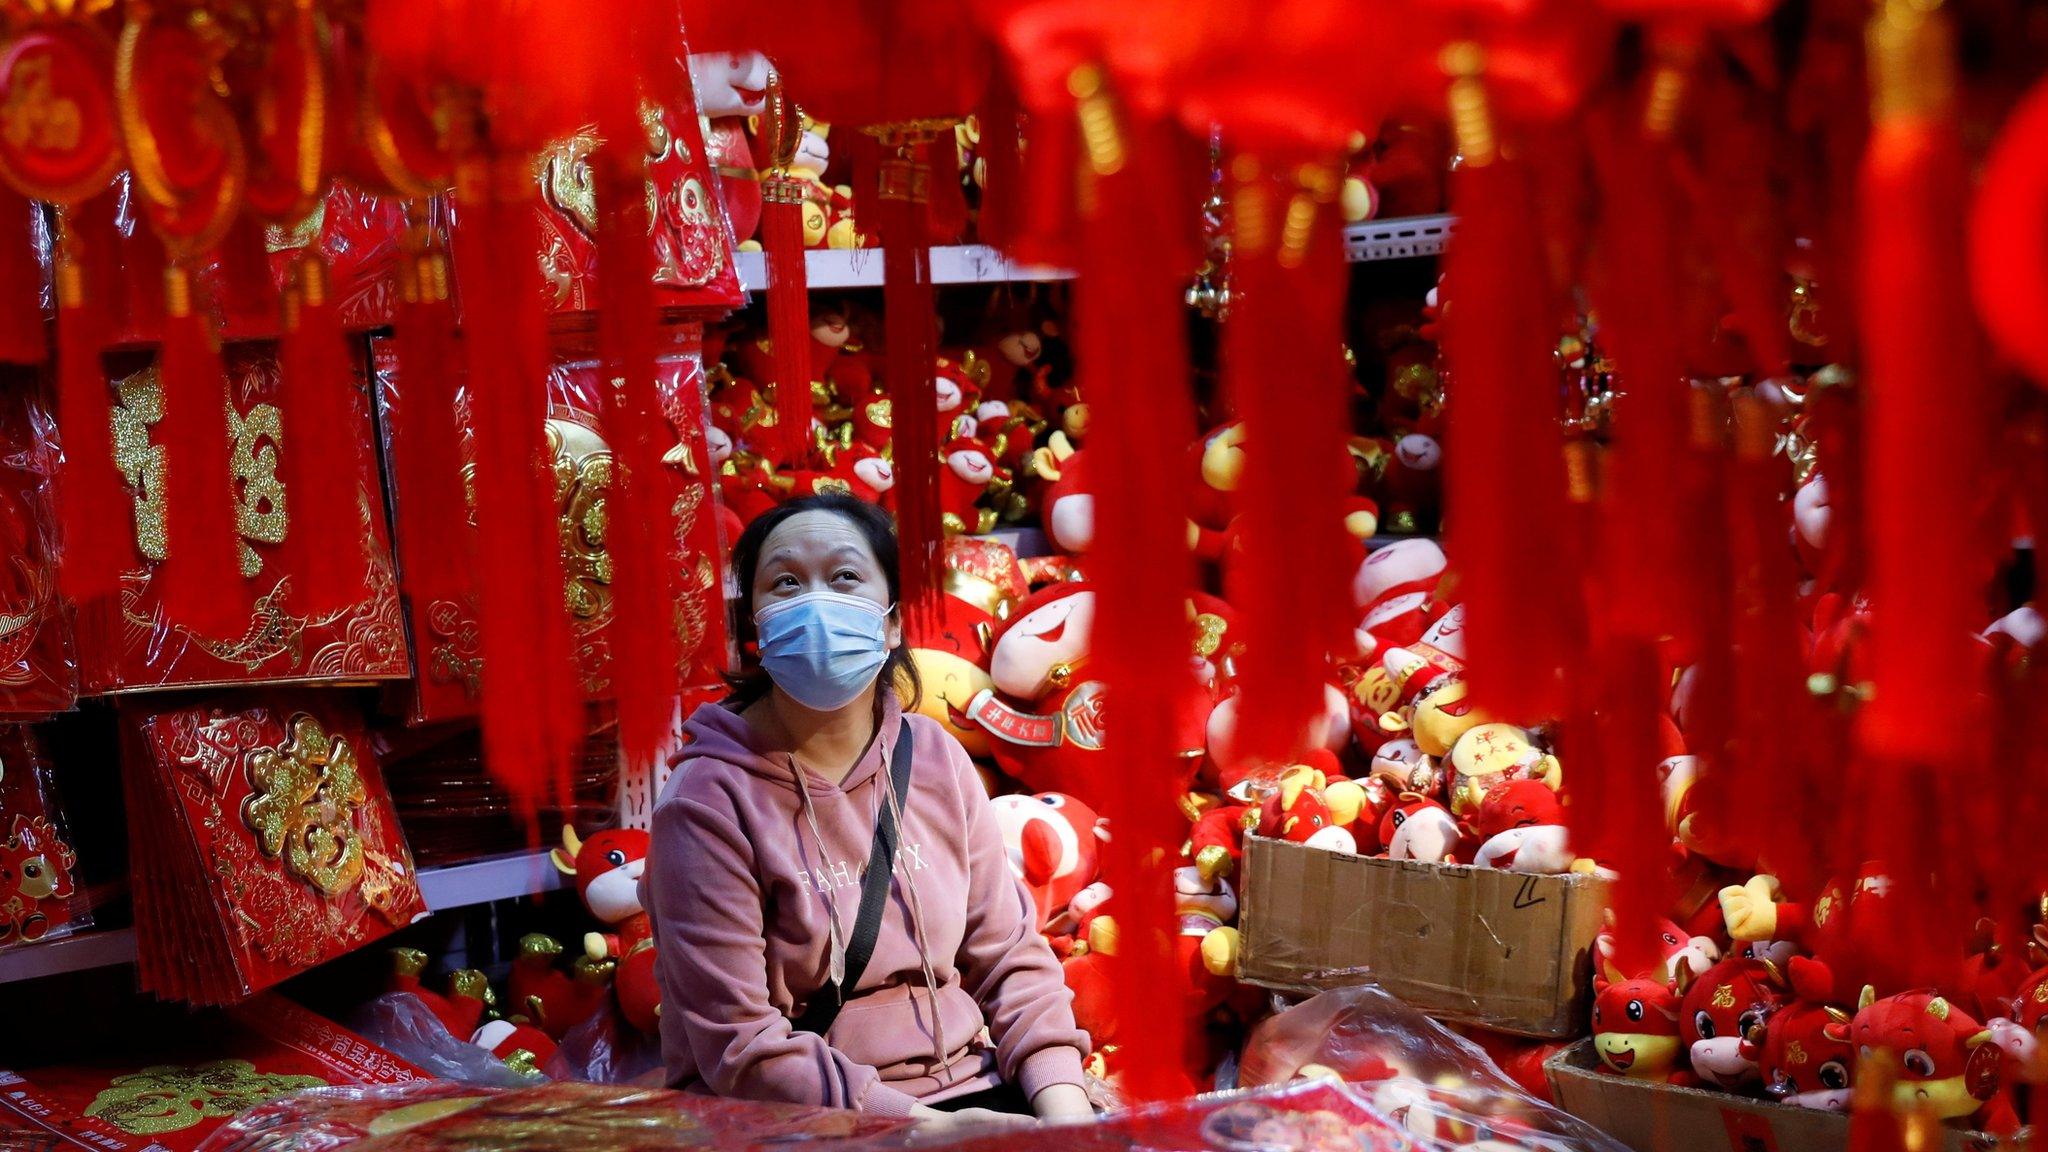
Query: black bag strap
[[824, 1007]]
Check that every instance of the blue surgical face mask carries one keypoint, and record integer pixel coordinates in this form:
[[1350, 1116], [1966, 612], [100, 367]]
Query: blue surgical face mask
[[823, 648]]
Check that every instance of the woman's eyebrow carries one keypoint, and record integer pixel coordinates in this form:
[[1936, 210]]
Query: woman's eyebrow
[[847, 550]]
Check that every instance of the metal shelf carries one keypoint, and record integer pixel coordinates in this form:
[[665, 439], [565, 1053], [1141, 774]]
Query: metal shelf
[[862, 267], [1396, 239], [493, 878], [88, 949]]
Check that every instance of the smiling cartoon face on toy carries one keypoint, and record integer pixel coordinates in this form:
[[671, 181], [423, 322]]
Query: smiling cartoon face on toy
[[1542, 849], [1635, 1028], [1043, 640], [1722, 1021], [949, 661], [1441, 716], [1418, 828], [969, 461], [1947, 1064], [730, 83], [952, 393], [874, 469], [1020, 348], [1418, 452], [829, 327]]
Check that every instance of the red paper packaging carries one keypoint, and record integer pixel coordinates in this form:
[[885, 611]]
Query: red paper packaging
[[264, 843], [40, 898], [133, 644], [693, 265], [38, 672], [178, 1091], [445, 632]]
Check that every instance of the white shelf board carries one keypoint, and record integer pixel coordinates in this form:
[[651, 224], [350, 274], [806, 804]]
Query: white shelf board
[[491, 878], [862, 267], [1396, 239], [87, 949], [482, 881]]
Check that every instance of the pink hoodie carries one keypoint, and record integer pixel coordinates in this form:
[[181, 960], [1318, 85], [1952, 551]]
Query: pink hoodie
[[740, 888]]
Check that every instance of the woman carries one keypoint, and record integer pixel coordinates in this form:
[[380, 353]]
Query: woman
[[763, 909]]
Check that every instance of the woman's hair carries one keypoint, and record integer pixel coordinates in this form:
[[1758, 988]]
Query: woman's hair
[[752, 682]]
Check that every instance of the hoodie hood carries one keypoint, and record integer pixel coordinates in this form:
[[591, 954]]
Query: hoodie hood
[[724, 735]]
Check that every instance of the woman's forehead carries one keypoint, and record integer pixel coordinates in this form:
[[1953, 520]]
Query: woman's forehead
[[815, 534]]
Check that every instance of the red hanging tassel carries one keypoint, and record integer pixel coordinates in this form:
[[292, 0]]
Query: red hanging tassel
[[322, 450], [1917, 332], [246, 292], [1130, 329], [1506, 481], [200, 578], [1774, 712], [789, 295], [1629, 832], [532, 697], [95, 509], [909, 327], [1652, 593], [640, 531], [434, 546], [22, 339], [1283, 355]]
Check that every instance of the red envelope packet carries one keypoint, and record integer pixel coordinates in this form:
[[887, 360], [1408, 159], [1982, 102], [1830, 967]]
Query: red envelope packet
[[38, 672], [169, 1093], [133, 644], [264, 843], [447, 645], [40, 898], [694, 270]]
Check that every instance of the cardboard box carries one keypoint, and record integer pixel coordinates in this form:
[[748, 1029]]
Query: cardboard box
[[1651, 1117], [1474, 945]]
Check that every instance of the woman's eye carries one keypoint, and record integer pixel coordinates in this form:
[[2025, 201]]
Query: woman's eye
[[785, 581], [846, 574]]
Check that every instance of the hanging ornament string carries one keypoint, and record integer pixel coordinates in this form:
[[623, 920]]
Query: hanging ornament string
[[783, 195], [532, 701], [1283, 348], [436, 551], [1508, 472], [201, 585], [200, 579], [1131, 331], [904, 179], [640, 525], [323, 424], [96, 544]]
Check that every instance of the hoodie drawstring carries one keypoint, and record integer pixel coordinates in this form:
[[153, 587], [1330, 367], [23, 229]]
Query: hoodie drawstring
[[837, 965], [924, 951]]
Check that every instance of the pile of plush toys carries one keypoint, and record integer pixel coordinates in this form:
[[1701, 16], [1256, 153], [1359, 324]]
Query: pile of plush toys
[[1793, 995], [544, 996], [1008, 419]]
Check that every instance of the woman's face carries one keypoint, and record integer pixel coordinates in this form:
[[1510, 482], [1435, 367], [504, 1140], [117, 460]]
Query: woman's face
[[821, 552]]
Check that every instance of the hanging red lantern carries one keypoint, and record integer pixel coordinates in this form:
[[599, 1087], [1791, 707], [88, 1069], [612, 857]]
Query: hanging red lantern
[[71, 61]]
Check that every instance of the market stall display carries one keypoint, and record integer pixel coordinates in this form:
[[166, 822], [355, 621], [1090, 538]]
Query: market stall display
[[1617, 639]]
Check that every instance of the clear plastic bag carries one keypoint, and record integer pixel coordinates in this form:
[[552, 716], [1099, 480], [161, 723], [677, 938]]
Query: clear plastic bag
[[1438, 1087], [604, 1049], [402, 1024]]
